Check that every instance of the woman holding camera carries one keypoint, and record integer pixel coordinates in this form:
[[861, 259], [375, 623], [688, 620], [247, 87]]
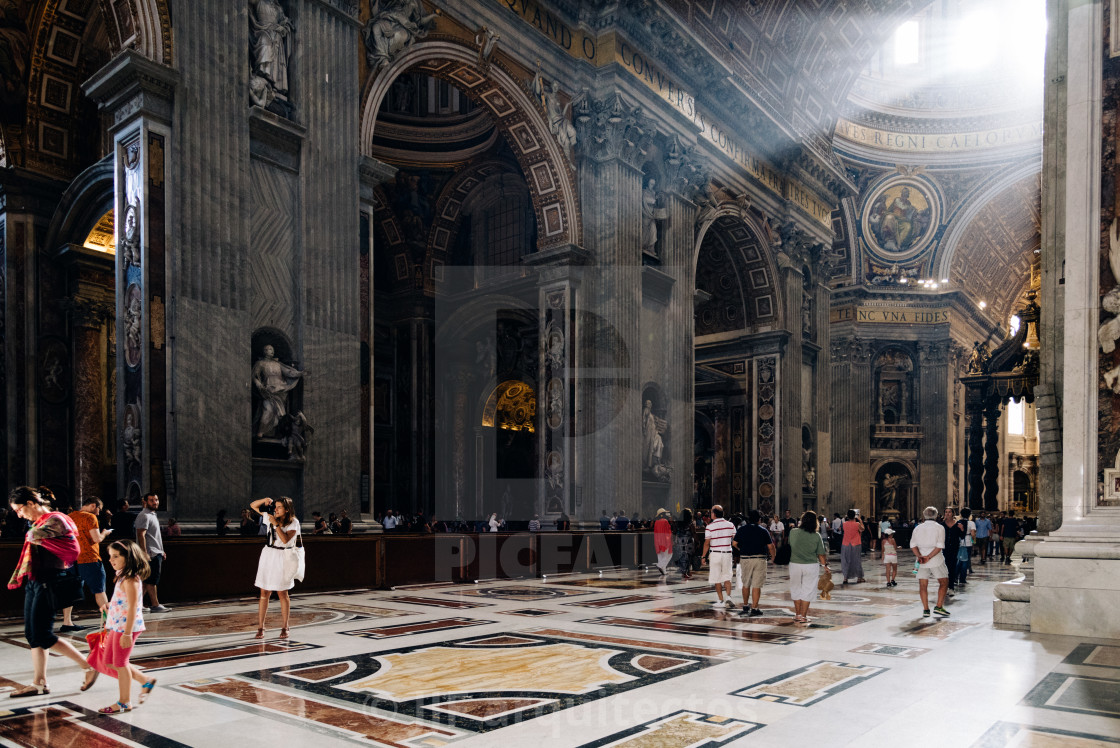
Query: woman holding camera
[[272, 573]]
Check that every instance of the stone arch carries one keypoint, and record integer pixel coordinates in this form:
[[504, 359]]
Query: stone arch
[[449, 206], [971, 206], [146, 28], [516, 113], [86, 200], [743, 239], [394, 246], [59, 32]]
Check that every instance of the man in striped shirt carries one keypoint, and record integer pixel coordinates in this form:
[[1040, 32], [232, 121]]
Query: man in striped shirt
[[717, 551]]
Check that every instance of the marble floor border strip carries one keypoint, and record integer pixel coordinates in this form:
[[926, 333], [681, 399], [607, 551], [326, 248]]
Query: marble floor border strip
[[1009, 734], [681, 728]]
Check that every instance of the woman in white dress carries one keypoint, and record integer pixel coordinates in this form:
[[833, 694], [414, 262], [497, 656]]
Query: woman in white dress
[[273, 575]]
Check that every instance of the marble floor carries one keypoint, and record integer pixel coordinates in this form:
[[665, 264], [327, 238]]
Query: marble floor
[[617, 658]]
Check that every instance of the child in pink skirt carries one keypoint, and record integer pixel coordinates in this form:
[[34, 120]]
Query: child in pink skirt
[[124, 621]]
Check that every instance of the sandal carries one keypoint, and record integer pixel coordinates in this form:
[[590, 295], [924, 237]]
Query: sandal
[[118, 708], [90, 679], [284, 634], [260, 634], [35, 689], [146, 690]]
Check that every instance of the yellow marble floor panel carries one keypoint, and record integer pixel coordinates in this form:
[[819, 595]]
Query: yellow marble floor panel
[[560, 668]]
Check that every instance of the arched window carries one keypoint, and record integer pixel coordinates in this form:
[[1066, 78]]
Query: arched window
[[501, 223]]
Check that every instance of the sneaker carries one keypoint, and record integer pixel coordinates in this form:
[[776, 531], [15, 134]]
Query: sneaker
[[719, 604], [746, 610], [939, 611], [145, 609], [755, 613], [161, 609], [925, 613], [67, 629]]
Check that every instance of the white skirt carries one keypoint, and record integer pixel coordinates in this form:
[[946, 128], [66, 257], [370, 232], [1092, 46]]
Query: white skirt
[[270, 571]]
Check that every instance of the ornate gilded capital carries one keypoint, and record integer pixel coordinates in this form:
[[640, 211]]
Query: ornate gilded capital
[[611, 128]]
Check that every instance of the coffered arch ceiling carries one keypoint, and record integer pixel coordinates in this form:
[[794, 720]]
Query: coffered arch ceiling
[[993, 261], [797, 59]]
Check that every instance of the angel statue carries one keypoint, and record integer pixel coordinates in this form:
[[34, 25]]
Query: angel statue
[[558, 120], [394, 25]]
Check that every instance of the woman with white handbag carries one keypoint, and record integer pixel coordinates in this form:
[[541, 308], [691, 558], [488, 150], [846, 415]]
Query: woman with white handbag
[[281, 562]]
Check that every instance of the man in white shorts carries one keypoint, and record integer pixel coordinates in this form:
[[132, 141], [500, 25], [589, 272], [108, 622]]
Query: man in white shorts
[[717, 550], [928, 544]]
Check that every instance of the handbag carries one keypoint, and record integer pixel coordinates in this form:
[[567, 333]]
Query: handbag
[[295, 562], [65, 589], [96, 657]]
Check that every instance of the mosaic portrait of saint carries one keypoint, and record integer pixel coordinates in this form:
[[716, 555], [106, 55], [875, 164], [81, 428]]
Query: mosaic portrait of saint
[[899, 218]]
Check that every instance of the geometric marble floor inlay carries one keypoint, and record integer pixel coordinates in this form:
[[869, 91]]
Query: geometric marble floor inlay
[[1094, 655], [891, 650], [810, 684], [691, 729], [698, 629], [1081, 694], [478, 683], [626, 658], [1012, 735]]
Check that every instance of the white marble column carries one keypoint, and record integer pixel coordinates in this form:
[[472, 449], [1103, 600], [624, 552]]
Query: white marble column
[[1077, 574]]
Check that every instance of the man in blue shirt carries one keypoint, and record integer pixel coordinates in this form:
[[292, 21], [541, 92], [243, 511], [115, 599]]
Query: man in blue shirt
[[623, 521], [983, 532], [604, 522]]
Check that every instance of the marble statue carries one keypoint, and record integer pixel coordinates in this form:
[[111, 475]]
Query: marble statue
[[810, 480], [273, 381], [130, 438], [1109, 331], [486, 40], [296, 435], [133, 314], [651, 214], [130, 244], [392, 27], [271, 36], [890, 489], [806, 315], [707, 203], [558, 122], [653, 445]]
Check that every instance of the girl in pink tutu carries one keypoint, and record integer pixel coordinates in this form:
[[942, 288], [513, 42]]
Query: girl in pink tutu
[[124, 621]]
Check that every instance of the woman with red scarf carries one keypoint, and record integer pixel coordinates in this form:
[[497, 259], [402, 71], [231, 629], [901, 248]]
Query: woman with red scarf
[[50, 546]]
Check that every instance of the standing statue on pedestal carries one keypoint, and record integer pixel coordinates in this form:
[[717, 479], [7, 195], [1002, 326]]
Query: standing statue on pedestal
[[651, 214], [271, 36], [393, 26], [653, 446], [273, 381]]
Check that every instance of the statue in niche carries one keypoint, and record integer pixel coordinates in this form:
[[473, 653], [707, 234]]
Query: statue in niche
[[271, 36], [653, 446], [558, 122], [890, 490], [130, 245], [810, 480], [807, 315], [392, 27], [651, 214], [273, 380]]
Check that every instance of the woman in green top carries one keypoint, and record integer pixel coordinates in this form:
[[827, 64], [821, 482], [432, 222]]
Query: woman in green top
[[807, 554]]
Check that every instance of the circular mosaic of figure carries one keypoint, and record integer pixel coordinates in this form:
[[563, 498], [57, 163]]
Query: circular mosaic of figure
[[765, 490], [900, 218], [766, 412]]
